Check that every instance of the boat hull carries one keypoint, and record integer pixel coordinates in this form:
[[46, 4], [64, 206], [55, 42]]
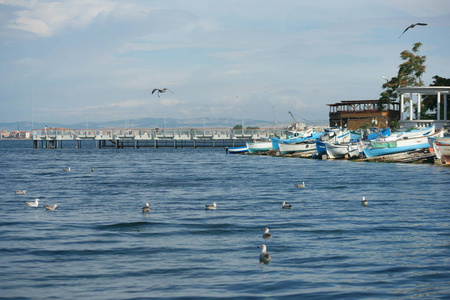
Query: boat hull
[[255, 147], [341, 150], [442, 145], [292, 148], [385, 148], [236, 150]]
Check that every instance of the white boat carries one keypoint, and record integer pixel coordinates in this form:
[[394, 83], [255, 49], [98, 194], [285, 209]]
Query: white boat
[[442, 149], [342, 150], [426, 131], [298, 147], [259, 146]]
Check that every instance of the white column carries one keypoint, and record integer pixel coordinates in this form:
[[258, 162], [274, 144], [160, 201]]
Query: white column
[[411, 108], [438, 106], [402, 100], [419, 104], [445, 107]]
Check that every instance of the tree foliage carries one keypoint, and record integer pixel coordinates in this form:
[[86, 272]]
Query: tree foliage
[[409, 74]]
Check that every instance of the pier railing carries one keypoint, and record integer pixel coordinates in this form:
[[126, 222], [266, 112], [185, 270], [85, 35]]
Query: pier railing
[[51, 137]]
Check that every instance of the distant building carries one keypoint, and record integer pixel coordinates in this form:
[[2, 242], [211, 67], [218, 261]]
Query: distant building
[[354, 114]]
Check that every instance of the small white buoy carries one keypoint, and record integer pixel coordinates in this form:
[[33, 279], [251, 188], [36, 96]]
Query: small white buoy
[[213, 206]]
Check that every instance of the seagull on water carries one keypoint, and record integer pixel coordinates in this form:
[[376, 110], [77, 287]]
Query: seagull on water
[[266, 233], [213, 206], [364, 202], [33, 204], [67, 170], [161, 91], [92, 170], [146, 208], [285, 206], [302, 185], [264, 257], [412, 26], [21, 192], [51, 207]]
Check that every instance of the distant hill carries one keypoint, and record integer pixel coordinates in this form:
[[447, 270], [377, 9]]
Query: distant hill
[[144, 123]]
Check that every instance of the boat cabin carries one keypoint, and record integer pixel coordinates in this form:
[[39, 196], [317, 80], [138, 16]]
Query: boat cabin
[[355, 114]]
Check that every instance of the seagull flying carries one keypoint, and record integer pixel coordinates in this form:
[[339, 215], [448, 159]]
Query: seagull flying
[[161, 91], [412, 26]]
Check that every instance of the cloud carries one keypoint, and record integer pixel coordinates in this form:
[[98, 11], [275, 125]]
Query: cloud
[[45, 19]]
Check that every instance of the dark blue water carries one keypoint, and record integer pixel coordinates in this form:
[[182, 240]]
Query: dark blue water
[[99, 245]]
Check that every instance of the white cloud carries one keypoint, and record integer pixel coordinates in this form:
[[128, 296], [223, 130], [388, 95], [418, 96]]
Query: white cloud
[[45, 18]]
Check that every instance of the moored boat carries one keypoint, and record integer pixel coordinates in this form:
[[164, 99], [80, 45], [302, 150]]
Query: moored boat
[[286, 148], [259, 146], [442, 149], [235, 150], [342, 150], [383, 147]]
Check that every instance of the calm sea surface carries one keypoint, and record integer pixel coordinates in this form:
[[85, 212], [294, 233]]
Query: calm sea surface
[[99, 245]]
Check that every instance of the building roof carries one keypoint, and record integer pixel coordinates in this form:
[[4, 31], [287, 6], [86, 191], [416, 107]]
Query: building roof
[[350, 102], [425, 90]]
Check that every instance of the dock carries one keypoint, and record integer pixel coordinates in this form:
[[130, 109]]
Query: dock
[[155, 138]]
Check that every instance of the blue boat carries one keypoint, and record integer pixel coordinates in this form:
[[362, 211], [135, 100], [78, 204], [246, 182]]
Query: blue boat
[[235, 150], [380, 147]]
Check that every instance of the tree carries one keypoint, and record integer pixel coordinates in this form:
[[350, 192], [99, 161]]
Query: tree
[[409, 74], [237, 126]]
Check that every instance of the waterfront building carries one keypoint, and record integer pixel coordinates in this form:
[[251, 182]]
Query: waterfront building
[[355, 114]]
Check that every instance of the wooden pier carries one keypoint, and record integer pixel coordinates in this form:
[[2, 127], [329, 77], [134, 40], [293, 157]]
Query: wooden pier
[[154, 138]]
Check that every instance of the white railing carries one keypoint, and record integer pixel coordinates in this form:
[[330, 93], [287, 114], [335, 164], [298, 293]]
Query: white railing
[[424, 123], [152, 134]]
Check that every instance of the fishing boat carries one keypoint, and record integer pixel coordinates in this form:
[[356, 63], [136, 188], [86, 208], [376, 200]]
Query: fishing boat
[[287, 148], [312, 134], [259, 146], [410, 133], [332, 135], [383, 147], [442, 149], [235, 150], [343, 150]]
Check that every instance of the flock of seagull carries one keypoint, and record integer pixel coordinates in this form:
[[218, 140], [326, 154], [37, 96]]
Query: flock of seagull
[[264, 257]]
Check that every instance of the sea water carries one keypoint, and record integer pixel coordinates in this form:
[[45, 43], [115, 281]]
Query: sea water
[[99, 245]]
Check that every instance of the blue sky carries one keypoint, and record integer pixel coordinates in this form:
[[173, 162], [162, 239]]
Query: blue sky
[[98, 60]]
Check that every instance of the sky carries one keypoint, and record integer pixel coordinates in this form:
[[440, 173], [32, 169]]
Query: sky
[[75, 61]]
